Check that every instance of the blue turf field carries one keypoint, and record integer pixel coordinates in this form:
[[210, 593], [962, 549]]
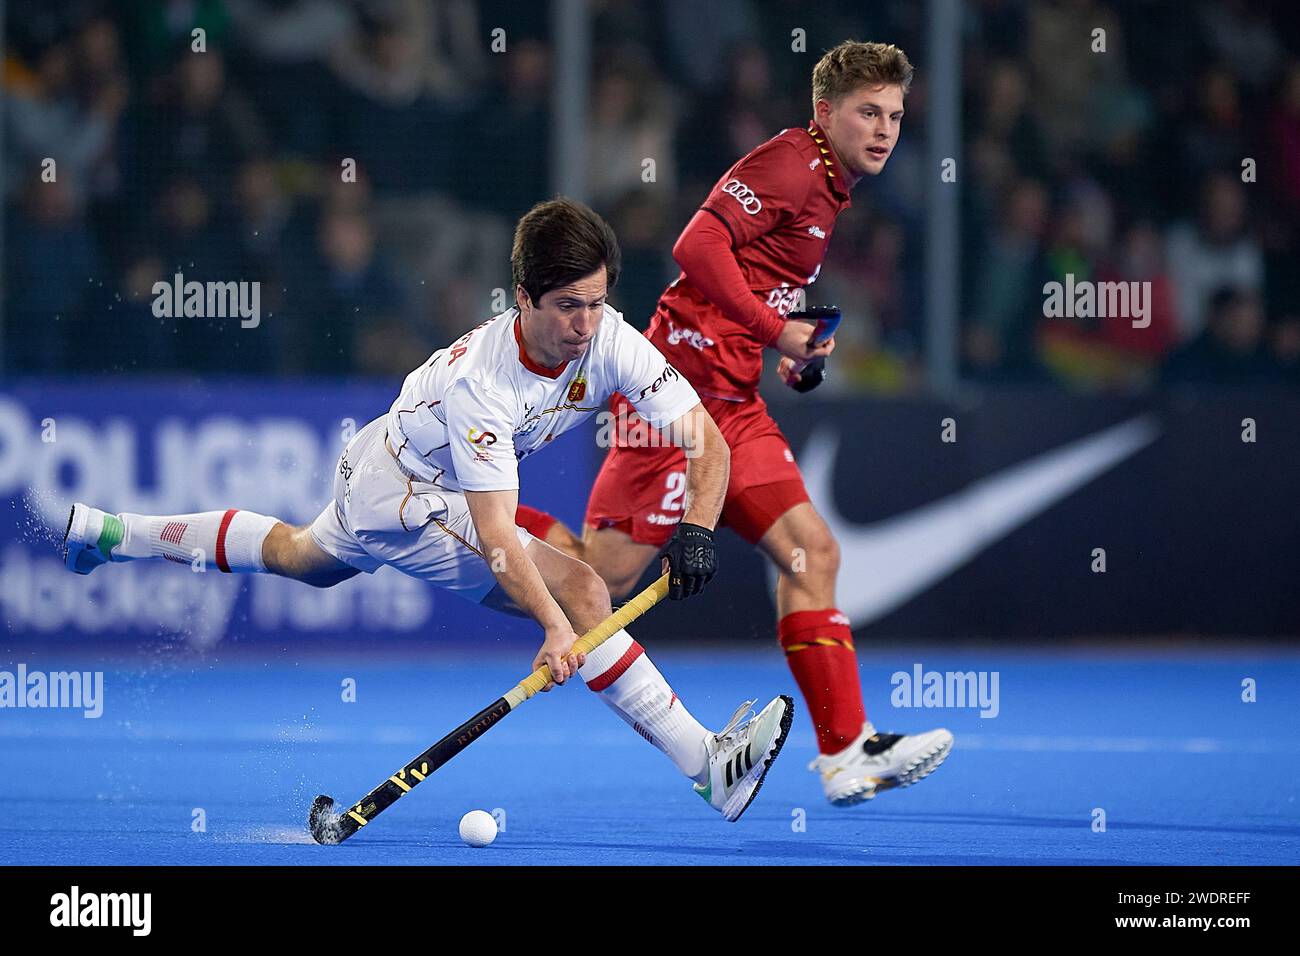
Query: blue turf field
[[1186, 772]]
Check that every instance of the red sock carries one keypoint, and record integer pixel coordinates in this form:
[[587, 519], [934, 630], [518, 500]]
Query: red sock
[[819, 649], [535, 522]]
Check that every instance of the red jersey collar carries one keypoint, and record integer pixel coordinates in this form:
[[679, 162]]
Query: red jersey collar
[[833, 172], [532, 366]]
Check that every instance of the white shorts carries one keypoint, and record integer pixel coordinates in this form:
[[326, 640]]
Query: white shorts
[[380, 516]]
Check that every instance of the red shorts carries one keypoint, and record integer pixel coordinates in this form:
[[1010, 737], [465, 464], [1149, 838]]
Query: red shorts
[[642, 490]]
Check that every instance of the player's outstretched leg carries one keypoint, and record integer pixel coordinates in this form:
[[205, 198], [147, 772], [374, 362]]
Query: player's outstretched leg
[[728, 767], [855, 761], [233, 541]]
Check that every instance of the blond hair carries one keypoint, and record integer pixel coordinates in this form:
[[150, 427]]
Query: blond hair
[[854, 64]]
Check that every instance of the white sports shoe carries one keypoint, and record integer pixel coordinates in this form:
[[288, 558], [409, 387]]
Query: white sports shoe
[[90, 538], [741, 753], [876, 762]]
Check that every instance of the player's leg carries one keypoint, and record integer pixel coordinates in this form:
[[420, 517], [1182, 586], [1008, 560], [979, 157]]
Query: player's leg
[[548, 528], [767, 505], [232, 541], [813, 632], [618, 558], [291, 551], [855, 761], [727, 767]]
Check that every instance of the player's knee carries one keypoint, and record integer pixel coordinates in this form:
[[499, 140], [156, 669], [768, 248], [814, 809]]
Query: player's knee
[[290, 551], [279, 548], [816, 553], [618, 588], [619, 566], [587, 597], [830, 550], [620, 585]]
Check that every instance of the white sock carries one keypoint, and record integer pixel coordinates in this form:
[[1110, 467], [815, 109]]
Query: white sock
[[628, 681], [229, 540]]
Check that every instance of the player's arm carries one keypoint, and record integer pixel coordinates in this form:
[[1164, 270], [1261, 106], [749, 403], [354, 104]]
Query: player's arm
[[759, 194], [666, 401], [707, 256], [483, 454], [493, 514], [708, 465], [689, 559]]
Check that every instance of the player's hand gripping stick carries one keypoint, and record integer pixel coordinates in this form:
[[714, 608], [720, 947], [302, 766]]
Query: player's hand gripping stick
[[689, 560], [827, 320]]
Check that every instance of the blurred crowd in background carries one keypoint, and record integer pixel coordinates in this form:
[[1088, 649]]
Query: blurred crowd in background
[[1122, 165]]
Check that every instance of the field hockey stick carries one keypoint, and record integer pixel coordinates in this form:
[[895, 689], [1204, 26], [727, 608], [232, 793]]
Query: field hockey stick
[[328, 827]]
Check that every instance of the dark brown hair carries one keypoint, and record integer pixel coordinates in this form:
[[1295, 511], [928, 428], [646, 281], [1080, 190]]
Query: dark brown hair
[[560, 241], [854, 64]]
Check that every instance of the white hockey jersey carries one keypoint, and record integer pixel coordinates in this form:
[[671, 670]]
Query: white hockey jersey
[[466, 417]]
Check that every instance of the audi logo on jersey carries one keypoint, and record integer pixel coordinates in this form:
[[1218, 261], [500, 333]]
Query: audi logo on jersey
[[743, 195], [484, 438], [667, 375]]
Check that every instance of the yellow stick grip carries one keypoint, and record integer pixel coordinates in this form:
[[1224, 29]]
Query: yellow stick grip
[[629, 612]]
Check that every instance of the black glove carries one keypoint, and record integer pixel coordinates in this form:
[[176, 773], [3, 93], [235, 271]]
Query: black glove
[[690, 560], [827, 318], [813, 374]]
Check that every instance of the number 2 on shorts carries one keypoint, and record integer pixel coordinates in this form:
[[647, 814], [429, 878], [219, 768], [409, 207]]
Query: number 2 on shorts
[[676, 484]]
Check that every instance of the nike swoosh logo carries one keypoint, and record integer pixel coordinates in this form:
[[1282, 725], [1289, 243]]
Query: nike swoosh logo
[[888, 562]]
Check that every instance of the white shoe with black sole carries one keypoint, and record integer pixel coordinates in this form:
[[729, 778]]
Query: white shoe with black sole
[[876, 762], [741, 753]]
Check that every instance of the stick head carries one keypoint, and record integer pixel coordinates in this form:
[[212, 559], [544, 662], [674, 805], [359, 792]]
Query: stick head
[[323, 822], [828, 320]]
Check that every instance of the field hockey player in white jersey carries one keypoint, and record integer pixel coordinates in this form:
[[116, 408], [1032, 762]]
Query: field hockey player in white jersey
[[431, 488]]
